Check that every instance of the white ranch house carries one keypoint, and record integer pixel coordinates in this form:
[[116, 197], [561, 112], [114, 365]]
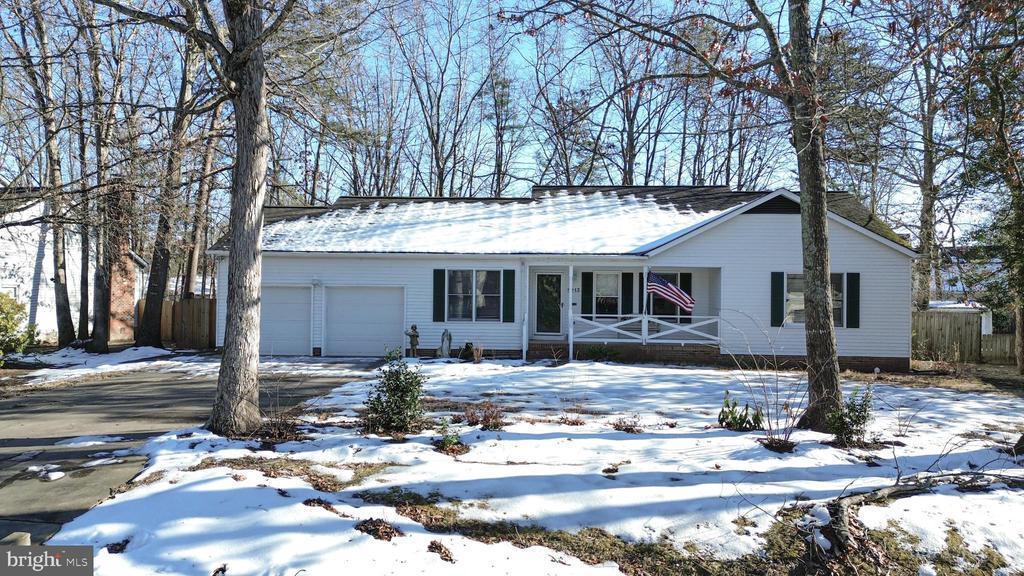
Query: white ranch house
[[563, 272]]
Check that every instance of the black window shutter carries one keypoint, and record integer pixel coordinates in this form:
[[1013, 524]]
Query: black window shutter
[[439, 295], [627, 293], [686, 285], [644, 298], [508, 295], [778, 298], [853, 300], [587, 302]]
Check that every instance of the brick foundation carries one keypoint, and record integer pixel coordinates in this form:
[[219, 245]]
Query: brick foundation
[[488, 353], [698, 354]]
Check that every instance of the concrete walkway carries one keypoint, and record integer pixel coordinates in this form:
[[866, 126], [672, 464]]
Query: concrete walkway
[[133, 406]]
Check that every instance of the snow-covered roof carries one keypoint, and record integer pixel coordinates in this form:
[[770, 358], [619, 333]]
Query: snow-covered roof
[[555, 223], [967, 306]]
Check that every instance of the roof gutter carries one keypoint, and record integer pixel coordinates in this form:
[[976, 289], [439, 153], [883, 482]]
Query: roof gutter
[[532, 256]]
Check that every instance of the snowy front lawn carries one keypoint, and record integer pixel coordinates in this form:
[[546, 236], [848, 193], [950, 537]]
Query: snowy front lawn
[[558, 467]]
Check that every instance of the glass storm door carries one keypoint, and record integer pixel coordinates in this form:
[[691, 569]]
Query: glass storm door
[[549, 303]]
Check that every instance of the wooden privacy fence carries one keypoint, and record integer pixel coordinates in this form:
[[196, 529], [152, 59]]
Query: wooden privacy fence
[[189, 323], [947, 336], [956, 337], [999, 348]]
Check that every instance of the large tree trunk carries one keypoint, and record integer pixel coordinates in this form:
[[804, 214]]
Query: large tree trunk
[[1016, 266], [54, 181], [1019, 333], [929, 194], [62, 303], [149, 328], [83, 231], [824, 394], [200, 214], [236, 408], [100, 340]]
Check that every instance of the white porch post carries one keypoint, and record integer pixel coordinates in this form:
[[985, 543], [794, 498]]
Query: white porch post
[[643, 308], [572, 320], [524, 295]]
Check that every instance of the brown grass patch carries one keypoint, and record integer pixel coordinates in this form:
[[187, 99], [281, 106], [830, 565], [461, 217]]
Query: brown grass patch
[[132, 484], [321, 503], [571, 420], [379, 529], [288, 468], [441, 550], [984, 378], [434, 404], [613, 469], [629, 425], [487, 415], [785, 551]]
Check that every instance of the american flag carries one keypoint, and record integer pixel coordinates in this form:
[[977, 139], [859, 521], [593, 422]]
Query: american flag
[[674, 294]]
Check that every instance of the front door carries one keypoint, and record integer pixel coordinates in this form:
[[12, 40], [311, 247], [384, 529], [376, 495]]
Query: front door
[[549, 304]]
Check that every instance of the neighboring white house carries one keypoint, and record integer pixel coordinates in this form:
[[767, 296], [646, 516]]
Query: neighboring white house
[[565, 271], [26, 262]]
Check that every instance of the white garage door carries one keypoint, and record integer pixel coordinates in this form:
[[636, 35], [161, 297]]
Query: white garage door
[[284, 321], [363, 321]]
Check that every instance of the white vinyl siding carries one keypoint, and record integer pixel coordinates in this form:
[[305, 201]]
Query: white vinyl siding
[[750, 247], [414, 275]]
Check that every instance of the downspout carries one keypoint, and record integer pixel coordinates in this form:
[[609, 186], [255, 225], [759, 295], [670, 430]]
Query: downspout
[[572, 320], [525, 299]]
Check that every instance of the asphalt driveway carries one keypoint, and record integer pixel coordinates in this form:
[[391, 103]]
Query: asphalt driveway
[[131, 405]]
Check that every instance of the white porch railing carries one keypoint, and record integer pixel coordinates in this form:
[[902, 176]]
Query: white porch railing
[[645, 329]]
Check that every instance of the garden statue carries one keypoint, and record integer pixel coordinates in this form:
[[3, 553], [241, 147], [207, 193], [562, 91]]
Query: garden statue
[[414, 340], [445, 351]]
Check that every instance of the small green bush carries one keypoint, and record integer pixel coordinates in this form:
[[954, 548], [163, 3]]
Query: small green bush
[[449, 438], [394, 404], [850, 421], [464, 353], [449, 443], [732, 418], [598, 353], [13, 338]]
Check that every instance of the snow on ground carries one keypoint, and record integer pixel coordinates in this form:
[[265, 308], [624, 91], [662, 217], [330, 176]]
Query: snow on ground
[[72, 364], [982, 518], [681, 480], [82, 441]]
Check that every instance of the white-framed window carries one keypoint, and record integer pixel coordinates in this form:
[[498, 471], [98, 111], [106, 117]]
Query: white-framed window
[[474, 295], [607, 296], [795, 298]]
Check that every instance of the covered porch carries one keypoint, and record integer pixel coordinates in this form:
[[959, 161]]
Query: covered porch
[[587, 304]]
